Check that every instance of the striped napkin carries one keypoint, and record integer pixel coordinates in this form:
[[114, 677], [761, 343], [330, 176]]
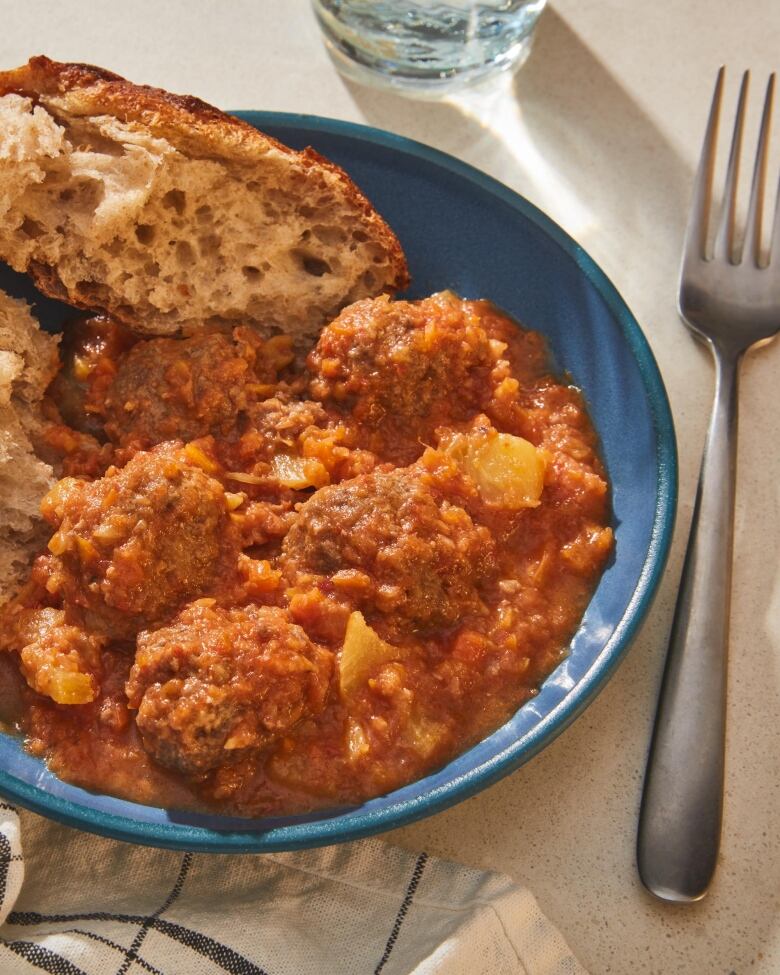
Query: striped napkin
[[76, 904]]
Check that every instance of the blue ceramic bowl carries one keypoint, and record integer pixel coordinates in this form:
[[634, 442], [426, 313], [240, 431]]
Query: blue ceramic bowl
[[465, 231]]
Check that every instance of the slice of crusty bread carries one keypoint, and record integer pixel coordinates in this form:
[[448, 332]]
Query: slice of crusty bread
[[28, 363], [168, 214]]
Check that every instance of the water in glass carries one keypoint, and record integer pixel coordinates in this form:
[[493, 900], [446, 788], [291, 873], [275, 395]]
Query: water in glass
[[427, 46]]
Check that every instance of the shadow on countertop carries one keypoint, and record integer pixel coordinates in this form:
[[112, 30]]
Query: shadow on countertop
[[562, 132]]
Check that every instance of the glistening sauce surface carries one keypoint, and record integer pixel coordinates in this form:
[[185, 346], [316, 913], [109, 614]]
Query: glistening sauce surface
[[269, 588]]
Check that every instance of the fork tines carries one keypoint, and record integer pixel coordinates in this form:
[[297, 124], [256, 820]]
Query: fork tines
[[725, 245]]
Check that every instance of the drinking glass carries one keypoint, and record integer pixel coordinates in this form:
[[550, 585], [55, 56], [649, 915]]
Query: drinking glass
[[426, 47]]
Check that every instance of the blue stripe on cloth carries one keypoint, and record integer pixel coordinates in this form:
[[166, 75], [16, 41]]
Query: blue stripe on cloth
[[403, 910]]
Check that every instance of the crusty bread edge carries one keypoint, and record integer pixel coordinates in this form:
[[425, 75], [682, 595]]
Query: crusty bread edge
[[181, 119], [22, 421]]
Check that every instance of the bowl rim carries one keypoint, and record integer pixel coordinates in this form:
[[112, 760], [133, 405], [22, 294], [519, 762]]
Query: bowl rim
[[324, 831]]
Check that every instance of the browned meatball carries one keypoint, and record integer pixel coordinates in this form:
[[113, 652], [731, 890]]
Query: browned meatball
[[218, 682], [398, 545], [181, 389], [405, 368], [135, 545]]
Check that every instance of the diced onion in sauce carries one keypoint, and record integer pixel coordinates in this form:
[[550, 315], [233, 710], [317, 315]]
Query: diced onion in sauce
[[357, 740], [243, 478], [298, 472], [234, 500], [197, 456], [261, 389], [58, 680], [278, 351], [58, 544], [70, 687], [56, 498]]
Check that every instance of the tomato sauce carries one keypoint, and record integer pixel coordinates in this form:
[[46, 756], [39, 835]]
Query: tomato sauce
[[273, 587]]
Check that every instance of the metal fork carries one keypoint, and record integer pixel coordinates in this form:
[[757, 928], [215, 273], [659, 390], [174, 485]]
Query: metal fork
[[731, 300]]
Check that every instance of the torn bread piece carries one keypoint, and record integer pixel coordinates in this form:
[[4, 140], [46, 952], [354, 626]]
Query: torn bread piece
[[28, 363], [170, 215]]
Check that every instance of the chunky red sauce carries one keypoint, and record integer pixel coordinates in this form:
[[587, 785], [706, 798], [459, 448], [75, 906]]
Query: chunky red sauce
[[271, 588]]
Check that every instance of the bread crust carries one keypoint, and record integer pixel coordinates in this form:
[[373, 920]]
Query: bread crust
[[188, 124], [24, 477]]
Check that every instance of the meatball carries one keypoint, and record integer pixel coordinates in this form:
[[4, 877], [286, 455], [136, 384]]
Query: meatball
[[396, 544], [217, 683], [132, 547], [405, 368], [182, 389]]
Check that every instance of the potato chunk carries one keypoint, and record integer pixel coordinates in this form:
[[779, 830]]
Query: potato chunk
[[363, 652], [507, 470]]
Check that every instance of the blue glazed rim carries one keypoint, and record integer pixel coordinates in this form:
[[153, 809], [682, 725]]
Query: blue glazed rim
[[305, 832]]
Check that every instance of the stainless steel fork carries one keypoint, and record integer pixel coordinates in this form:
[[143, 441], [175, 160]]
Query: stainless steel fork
[[730, 299]]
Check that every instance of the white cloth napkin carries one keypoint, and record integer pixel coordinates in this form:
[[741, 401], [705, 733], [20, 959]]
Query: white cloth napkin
[[76, 904]]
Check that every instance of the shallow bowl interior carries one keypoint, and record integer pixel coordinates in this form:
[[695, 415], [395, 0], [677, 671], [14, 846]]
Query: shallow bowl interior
[[464, 231]]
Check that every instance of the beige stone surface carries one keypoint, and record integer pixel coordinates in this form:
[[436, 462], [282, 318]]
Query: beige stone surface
[[601, 129]]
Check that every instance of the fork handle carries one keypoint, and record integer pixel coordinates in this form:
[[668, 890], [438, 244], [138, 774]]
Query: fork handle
[[682, 803]]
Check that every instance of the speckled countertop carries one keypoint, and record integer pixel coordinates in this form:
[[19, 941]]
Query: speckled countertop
[[601, 129]]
